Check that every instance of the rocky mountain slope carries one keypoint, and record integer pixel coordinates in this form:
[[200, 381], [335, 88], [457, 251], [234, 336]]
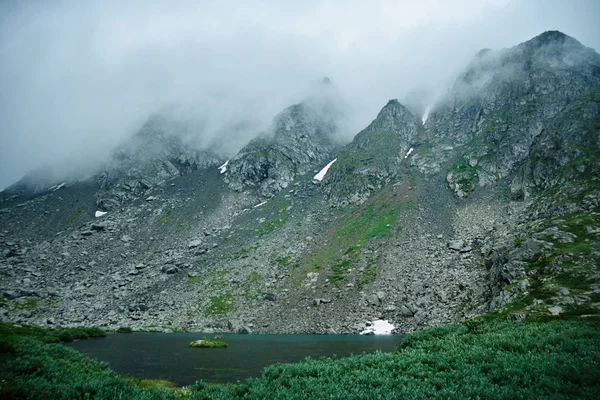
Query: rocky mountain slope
[[301, 137], [489, 205]]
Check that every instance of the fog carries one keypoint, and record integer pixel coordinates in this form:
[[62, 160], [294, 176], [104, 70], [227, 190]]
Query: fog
[[79, 77]]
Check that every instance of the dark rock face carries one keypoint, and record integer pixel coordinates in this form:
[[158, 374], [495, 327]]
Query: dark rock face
[[374, 157], [301, 138]]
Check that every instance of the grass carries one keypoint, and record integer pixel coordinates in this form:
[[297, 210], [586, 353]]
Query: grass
[[498, 360], [368, 275], [283, 261], [23, 304], [220, 305], [254, 276], [278, 216], [245, 252], [193, 280], [376, 219]]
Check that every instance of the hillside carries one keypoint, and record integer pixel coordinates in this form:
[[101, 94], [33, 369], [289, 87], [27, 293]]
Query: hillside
[[489, 204]]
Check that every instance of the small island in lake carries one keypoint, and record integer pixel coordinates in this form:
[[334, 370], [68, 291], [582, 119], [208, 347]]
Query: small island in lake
[[208, 343]]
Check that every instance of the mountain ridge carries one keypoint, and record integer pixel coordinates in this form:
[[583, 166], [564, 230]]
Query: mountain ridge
[[488, 207]]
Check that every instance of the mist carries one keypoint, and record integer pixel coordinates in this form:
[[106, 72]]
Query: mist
[[78, 78]]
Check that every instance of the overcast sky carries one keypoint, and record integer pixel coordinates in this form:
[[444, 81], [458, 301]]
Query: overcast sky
[[78, 77]]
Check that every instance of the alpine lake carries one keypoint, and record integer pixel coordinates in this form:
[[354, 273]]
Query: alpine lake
[[168, 355]]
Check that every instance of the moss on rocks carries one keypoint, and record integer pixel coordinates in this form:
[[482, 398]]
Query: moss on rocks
[[208, 343]]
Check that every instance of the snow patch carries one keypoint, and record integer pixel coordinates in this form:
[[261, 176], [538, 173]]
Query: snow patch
[[223, 168], [321, 174], [409, 152], [62, 185], [260, 204], [99, 214], [379, 327], [426, 114]]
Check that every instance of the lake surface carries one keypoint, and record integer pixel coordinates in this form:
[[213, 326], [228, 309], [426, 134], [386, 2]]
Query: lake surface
[[168, 356]]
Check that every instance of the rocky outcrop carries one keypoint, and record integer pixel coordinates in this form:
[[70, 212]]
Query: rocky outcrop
[[302, 137], [525, 109], [374, 157], [154, 155]]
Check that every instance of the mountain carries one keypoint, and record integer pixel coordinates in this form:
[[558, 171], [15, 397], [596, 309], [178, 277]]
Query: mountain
[[373, 158], [154, 155], [488, 204], [301, 136]]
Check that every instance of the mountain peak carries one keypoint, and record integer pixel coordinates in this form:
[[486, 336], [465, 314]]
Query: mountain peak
[[551, 37], [552, 43]]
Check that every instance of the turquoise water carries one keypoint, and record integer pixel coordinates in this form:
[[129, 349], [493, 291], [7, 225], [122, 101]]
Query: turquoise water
[[168, 356]]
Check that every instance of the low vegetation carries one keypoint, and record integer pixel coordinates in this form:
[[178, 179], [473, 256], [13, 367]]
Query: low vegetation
[[562, 272], [220, 305], [208, 344], [491, 360], [376, 219], [277, 217]]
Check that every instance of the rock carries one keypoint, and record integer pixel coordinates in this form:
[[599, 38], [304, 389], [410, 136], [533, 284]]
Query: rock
[[137, 307], [15, 252], [456, 245], [406, 311], [87, 233], [555, 310], [98, 227], [271, 296], [208, 343], [16, 293], [518, 317], [244, 330], [373, 300], [194, 243], [169, 270], [317, 302]]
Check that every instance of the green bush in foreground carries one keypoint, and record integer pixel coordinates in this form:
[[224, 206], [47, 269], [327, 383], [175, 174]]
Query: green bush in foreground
[[500, 360]]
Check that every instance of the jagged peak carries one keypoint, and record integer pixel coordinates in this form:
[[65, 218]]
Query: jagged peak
[[393, 106], [551, 37]]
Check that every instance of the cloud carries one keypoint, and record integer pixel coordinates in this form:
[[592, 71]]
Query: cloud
[[79, 77]]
